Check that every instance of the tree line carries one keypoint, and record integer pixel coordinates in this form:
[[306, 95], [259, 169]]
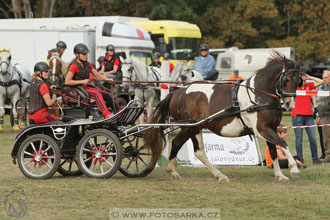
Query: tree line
[[302, 24]]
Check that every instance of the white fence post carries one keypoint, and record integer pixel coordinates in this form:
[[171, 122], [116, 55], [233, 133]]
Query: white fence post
[[163, 93]]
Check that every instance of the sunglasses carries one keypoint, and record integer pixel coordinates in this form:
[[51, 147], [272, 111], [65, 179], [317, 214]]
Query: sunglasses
[[204, 50]]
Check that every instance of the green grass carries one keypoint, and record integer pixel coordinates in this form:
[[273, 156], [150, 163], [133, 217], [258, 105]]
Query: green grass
[[252, 193]]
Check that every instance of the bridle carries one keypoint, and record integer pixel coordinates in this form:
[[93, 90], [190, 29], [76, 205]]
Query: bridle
[[132, 70], [282, 81]]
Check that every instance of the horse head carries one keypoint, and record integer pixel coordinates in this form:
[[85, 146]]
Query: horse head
[[289, 79], [5, 58], [127, 68], [190, 75], [58, 68], [279, 76]]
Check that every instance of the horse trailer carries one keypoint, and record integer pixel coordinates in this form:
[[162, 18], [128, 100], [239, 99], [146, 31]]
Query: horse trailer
[[247, 61], [30, 39]]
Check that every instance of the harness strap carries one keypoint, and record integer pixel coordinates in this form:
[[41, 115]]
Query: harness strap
[[247, 90]]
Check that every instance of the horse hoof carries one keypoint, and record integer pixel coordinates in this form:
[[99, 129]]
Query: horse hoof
[[225, 180], [295, 175], [175, 176], [283, 179]]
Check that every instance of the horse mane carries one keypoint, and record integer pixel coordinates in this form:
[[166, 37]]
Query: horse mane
[[276, 58]]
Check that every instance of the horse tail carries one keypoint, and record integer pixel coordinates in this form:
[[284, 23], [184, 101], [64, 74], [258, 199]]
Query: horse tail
[[154, 137]]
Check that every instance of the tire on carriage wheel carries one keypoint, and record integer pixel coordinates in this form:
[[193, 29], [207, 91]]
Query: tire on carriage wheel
[[122, 102], [136, 158], [99, 154], [39, 157]]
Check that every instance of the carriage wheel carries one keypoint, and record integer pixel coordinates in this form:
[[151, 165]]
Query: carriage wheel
[[12, 117], [39, 157], [21, 109], [69, 167], [121, 102], [136, 158], [99, 154]]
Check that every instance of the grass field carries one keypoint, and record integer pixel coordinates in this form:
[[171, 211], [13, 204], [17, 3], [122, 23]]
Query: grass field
[[252, 193]]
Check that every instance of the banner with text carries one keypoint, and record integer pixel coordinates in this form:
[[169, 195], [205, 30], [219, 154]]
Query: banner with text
[[223, 151]]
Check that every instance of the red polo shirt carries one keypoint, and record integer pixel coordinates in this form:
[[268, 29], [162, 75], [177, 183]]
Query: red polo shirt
[[303, 103]]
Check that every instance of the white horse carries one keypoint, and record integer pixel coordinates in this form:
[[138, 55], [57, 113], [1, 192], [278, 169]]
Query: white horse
[[135, 70], [14, 84], [182, 73]]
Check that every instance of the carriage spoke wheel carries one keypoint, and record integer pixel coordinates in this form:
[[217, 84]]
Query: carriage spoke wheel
[[39, 157], [21, 109], [136, 158], [69, 167], [99, 154]]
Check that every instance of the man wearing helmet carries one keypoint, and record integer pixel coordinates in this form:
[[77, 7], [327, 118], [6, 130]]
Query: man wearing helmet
[[40, 96], [156, 61], [78, 74], [205, 64], [61, 46], [111, 63]]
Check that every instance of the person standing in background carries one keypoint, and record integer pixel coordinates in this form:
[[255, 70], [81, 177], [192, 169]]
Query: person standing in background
[[232, 79], [302, 115], [323, 106]]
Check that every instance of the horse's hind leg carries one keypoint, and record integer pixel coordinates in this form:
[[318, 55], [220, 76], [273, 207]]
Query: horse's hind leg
[[2, 113], [177, 143], [200, 154]]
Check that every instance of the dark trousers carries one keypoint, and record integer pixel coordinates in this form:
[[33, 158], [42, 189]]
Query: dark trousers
[[284, 164], [321, 140]]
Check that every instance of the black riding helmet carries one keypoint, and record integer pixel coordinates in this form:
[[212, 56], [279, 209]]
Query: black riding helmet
[[41, 66], [156, 55], [204, 47], [80, 49], [110, 47], [100, 59], [61, 44]]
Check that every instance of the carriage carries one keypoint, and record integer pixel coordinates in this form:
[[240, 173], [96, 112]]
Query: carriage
[[101, 147]]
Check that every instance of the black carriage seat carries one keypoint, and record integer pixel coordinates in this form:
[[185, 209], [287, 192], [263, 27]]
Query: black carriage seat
[[213, 76]]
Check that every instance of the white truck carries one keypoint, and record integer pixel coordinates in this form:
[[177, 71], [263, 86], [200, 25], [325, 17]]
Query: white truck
[[246, 61], [30, 39]]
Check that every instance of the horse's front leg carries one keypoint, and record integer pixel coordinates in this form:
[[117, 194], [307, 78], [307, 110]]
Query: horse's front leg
[[273, 139], [2, 112], [15, 98]]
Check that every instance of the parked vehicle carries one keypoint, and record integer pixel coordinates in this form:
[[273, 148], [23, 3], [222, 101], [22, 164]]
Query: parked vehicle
[[178, 38], [247, 61], [316, 69], [30, 40]]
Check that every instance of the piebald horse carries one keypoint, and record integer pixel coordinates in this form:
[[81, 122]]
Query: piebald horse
[[252, 107], [14, 84]]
